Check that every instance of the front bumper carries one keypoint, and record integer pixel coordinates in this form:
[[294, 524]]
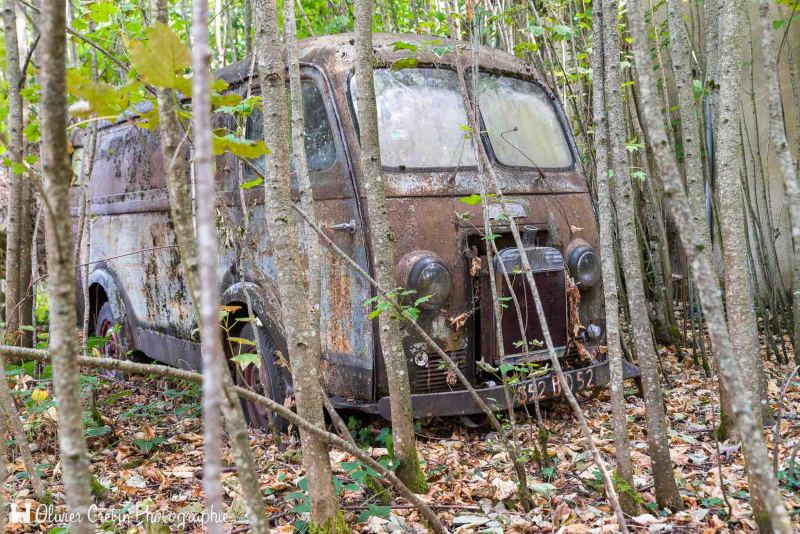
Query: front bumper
[[461, 402]]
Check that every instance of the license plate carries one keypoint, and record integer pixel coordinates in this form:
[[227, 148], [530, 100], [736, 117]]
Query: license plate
[[550, 386]]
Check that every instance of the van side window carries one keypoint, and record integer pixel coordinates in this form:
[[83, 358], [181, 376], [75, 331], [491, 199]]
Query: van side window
[[320, 144]]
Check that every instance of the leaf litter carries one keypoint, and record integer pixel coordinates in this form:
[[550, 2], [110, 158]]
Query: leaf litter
[[146, 446]]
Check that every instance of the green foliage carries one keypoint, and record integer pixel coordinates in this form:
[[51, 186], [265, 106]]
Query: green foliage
[[162, 58], [239, 146]]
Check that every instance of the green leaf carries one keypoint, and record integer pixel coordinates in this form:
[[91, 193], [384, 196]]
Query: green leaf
[[405, 63], [536, 31], [100, 12], [401, 45], [226, 101], [422, 300], [97, 431], [374, 510], [242, 341], [160, 57], [247, 358], [697, 86], [411, 313], [245, 148], [252, 183], [472, 200], [564, 32], [104, 100]]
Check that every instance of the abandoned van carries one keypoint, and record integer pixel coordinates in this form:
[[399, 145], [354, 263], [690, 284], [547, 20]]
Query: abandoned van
[[431, 179]]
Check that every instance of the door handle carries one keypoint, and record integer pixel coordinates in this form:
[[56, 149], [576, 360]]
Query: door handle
[[349, 227]]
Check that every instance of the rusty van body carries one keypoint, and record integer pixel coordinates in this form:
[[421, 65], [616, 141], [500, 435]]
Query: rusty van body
[[431, 182]]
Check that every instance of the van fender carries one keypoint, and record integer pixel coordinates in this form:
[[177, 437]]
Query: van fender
[[106, 280], [266, 308]]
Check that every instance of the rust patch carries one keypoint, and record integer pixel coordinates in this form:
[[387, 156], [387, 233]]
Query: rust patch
[[339, 327]]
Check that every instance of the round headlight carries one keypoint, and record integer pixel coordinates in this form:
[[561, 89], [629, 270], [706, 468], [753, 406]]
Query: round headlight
[[427, 274], [584, 265]]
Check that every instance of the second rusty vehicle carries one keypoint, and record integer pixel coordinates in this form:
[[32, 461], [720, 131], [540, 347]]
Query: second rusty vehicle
[[431, 182]]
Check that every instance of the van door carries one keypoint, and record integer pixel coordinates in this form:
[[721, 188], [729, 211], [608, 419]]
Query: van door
[[346, 334]]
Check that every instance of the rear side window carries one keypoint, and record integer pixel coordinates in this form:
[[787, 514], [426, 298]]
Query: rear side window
[[320, 144], [522, 124], [421, 119]]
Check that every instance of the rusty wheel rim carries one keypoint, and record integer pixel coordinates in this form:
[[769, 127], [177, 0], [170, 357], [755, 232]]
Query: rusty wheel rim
[[256, 379], [111, 347]]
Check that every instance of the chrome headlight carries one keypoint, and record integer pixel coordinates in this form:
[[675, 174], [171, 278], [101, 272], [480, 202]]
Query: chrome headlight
[[584, 266], [426, 273]]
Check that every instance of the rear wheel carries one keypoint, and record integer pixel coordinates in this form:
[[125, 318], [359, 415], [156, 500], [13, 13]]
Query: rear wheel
[[104, 327], [268, 379]]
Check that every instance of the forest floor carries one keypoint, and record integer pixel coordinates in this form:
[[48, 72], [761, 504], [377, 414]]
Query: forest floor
[[145, 435]]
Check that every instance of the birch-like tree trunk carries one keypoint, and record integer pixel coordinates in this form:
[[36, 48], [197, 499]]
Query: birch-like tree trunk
[[14, 123], [13, 272], [666, 489], [690, 131], [383, 254], [690, 126], [784, 156], [208, 265], [774, 516], [605, 211], [57, 175], [739, 303], [181, 213], [300, 330]]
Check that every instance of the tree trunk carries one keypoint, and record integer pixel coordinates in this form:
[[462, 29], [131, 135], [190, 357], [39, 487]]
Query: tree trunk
[[208, 265], [773, 517], [606, 215], [382, 247], [181, 213], [692, 164], [784, 156], [739, 303], [304, 350], [248, 28], [14, 314], [309, 242], [666, 489], [57, 175], [14, 123]]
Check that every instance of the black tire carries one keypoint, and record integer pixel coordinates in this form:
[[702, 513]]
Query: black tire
[[270, 379]]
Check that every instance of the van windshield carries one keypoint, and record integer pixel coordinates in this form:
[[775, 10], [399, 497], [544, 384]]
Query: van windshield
[[522, 124], [421, 119], [422, 122]]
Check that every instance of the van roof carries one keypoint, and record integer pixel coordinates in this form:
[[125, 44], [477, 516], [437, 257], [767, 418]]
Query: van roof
[[332, 52]]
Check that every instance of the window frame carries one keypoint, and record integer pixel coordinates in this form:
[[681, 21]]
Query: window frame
[[403, 170], [562, 121], [487, 144], [319, 85]]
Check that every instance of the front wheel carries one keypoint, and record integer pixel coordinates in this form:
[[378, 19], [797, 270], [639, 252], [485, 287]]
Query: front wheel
[[268, 379]]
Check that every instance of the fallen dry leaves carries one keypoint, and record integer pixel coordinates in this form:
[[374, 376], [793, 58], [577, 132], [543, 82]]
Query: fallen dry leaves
[[471, 480]]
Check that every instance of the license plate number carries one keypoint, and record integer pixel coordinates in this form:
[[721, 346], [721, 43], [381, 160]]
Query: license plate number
[[550, 386]]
